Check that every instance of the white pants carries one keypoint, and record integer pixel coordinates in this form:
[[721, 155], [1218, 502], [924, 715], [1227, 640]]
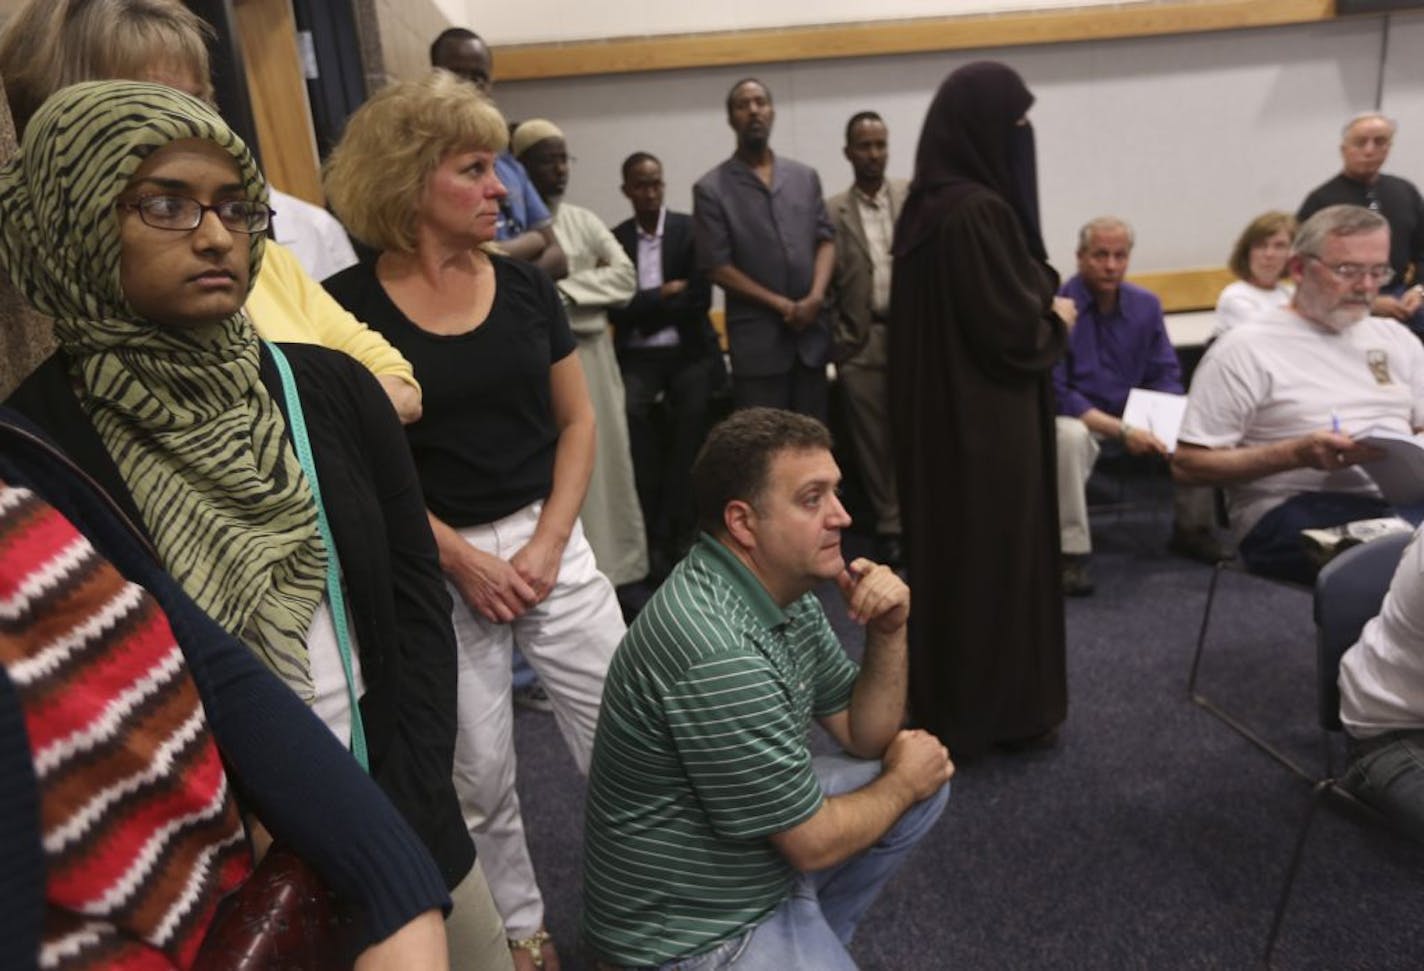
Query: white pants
[[1077, 451], [568, 638]]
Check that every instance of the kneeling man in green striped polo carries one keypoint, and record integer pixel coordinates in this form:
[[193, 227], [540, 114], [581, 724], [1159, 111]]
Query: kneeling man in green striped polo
[[711, 832]]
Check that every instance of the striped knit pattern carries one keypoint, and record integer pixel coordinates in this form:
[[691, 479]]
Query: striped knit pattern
[[194, 433], [141, 835], [701, 754]]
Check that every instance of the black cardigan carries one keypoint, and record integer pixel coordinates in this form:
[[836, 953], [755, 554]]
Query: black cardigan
[[396, 593], [292, 771]]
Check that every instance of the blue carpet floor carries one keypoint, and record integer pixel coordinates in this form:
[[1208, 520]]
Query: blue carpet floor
[[1151, 836]]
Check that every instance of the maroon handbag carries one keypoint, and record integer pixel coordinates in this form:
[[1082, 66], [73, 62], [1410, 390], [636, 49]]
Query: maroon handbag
[[282, 917]]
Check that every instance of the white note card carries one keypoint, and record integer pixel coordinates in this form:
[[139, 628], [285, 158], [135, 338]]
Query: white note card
[[1158, 412]]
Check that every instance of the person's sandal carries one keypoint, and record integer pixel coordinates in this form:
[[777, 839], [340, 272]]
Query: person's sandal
[[533, 945]]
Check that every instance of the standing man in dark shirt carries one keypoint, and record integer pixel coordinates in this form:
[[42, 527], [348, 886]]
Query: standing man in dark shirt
[[666, 346], [764, 237], [1364, 147]]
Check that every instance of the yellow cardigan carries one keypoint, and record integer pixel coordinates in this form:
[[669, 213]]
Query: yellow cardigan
[[286, 304]]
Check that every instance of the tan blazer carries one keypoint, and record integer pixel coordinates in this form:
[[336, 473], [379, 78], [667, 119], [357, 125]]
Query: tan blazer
[[851, 290]]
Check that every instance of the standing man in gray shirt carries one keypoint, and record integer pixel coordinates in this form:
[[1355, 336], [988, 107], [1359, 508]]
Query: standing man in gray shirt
[[764, 237]]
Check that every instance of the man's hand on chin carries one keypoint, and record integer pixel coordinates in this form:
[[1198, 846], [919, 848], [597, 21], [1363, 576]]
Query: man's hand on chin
[[875, 595]]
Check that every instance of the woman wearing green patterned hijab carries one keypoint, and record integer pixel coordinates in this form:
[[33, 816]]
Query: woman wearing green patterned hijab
[[168, 371], [135, 218]]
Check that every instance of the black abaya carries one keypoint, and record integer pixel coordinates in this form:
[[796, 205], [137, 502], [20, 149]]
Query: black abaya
[[973, 340]]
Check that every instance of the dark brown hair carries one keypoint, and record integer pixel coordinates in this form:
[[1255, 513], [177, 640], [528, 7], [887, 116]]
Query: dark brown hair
[[736, 458], [1260, 229]]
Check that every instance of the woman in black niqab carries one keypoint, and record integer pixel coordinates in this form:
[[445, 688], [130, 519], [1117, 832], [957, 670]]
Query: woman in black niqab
[[973, 339]]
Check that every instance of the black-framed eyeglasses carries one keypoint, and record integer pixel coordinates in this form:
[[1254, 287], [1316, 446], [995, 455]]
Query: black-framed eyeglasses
[[1372, 202], [182, 214], [1380, 274]]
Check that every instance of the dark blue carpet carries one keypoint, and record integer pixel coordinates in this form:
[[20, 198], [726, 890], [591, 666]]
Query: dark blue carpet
[[1152, 836]]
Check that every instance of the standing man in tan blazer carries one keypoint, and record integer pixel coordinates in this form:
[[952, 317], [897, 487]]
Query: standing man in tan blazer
[[864, 216]]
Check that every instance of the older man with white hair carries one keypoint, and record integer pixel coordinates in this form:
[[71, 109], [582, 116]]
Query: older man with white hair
[[1274, 405], [1365, 142]]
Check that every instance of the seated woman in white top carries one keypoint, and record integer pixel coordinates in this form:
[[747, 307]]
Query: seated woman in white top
[[1259, 259]]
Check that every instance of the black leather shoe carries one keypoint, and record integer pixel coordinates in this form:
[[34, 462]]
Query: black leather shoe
[[1077, 581], [1195, 544]]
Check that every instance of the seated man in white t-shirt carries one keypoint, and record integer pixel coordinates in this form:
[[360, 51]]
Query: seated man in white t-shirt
[[1382, 700], [1272, 407]]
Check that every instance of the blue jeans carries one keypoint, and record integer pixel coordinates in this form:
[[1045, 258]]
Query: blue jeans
[[1387, 772], [523, 672], [1273, 549], [812, 927]]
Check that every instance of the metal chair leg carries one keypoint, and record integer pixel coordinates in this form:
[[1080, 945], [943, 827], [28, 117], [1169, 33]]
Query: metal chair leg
[[1230, 720], [1201, 633], [1317, 796]]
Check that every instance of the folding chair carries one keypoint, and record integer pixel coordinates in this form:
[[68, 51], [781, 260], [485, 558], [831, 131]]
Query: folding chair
[[1120, 481], [1348, 592], [1231, 720]]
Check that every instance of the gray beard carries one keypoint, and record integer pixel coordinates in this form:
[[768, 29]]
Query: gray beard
[[1342, 319], [1337, 320]]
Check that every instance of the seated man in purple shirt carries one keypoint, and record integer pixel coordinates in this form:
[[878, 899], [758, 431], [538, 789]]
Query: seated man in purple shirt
[[1118, 342]]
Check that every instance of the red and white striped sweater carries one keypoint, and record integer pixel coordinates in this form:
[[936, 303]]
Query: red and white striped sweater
[[141, 834]]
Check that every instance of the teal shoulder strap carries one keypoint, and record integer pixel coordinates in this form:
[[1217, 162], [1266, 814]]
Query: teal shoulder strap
[[334, 593]]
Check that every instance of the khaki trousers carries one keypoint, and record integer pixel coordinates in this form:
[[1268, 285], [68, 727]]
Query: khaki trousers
[[474, 933], [863, 379], [1077, 451]]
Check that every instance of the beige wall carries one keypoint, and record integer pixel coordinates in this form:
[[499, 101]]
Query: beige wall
[[567, 20], [1187, 137], [406, 28]]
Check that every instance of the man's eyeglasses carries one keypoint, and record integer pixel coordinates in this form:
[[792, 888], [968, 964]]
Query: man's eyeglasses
[[1354, 272], [181, 214]]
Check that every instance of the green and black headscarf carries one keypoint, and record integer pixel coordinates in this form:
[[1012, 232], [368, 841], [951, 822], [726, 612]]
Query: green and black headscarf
[[199, 441]]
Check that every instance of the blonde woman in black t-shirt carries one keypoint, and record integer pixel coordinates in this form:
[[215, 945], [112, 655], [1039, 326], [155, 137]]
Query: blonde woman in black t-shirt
[[504, 449]]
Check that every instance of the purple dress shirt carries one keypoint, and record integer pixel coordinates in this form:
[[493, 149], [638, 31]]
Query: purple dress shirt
[[1110, 354]]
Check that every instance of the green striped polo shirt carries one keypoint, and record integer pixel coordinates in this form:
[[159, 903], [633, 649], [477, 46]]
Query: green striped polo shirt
[[702, 753]]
